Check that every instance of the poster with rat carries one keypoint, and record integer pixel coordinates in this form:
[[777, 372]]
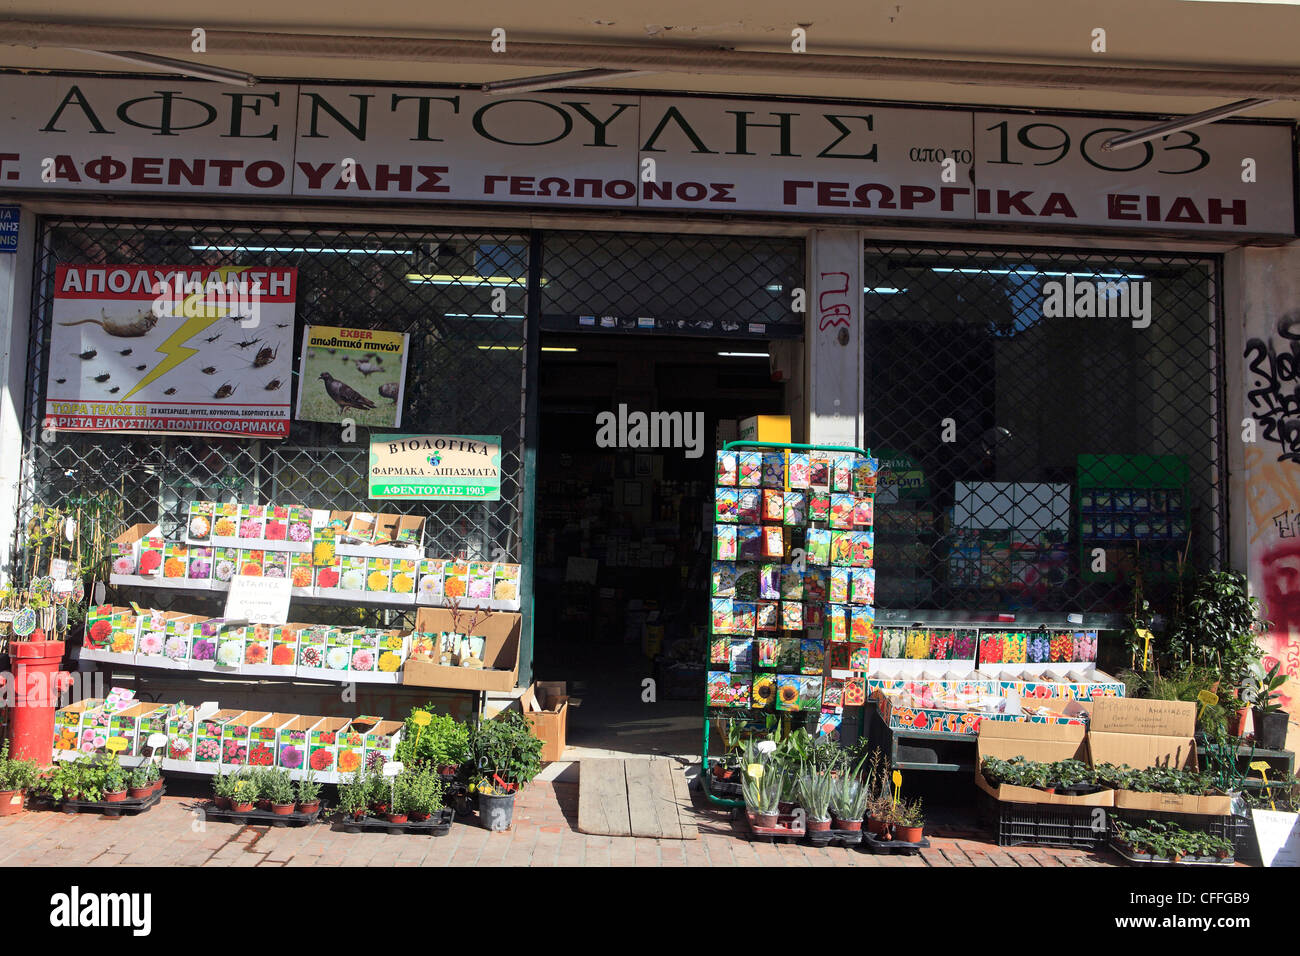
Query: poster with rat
[[197, 350]]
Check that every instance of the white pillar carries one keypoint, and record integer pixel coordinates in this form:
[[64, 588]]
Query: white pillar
[[833, 337], [15, 308]]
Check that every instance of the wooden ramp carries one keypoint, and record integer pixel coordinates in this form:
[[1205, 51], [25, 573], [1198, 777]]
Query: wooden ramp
[[642, 798]]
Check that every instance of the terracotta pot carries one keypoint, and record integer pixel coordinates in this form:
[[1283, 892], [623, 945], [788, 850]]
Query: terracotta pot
[[241, 807], [11, 802], [282, 809], [223, 803], [309, 807], [767, 820], [1237, 722], [139, 793], [448, 771], [818, 826], [397, 818], [115, 797], [264, 804], [875, 827], [851, 825], [156, 785], [908, 834], [419, 817]]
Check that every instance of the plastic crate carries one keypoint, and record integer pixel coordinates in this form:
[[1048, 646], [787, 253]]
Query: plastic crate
[[1239, 831], [1037, 824]]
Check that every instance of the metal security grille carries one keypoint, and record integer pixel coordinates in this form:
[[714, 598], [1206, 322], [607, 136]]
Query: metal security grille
[[1042, 450], [465, 374], [719, 286]]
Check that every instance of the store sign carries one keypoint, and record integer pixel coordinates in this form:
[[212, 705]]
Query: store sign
[[647, 152], [9, 216], [442, 467], [171, 350]]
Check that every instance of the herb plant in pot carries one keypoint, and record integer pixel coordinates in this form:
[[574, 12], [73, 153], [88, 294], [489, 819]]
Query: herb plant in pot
[[115, 782], [140, 785], [278, 788], [1262, 690], [424, 792], [442, 742], [848, 803], [243, 791], [815, 798], [16, 777], [307, 793], [354, 795], [223, 787], [908, 821]]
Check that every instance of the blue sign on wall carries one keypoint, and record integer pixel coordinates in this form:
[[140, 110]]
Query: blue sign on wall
[[8, 228]]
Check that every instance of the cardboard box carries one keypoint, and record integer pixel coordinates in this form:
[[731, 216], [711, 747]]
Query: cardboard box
[[500, 630], [263, 738], [323, 747], [381, 742], [292, 742], [765, 428], [235, 736], [1046, 743], [940, 719], [550, 723], [1151, 733], [125, 551]]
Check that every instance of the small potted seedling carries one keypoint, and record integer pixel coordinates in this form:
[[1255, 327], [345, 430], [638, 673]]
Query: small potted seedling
[[244, 791], [815, 798], [16, 777], [1263, 691], [397, 802], [848, 803], [278, 788], [762, 786], [909, 821], [308, 793]]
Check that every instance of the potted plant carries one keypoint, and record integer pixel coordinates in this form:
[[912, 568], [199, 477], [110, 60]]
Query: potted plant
[[908, 821], [223, 788], [1262, 691], [244, 787], [307, 792], [259, 776], [140, 784], [399, 807], [16, 778], [277, 787], [424, 793], [115, 781], [508, 756], [354, 795], [815, 798], [763, 795], [443, 742], [848, 803]]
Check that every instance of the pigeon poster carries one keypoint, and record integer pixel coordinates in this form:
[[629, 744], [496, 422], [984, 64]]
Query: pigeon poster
[[197, 350], [358, 374]]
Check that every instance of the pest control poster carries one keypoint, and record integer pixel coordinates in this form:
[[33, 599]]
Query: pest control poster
[[352, 373], [171, 349], [443, 467]]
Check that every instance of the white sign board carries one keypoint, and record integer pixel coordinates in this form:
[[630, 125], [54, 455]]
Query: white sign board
[[258, 600], [1279, 837]]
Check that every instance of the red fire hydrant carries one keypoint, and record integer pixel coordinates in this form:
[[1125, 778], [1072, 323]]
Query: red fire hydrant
[[38, 682]]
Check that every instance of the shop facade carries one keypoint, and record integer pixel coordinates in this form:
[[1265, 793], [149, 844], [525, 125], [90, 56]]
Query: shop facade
[[1038, 451]]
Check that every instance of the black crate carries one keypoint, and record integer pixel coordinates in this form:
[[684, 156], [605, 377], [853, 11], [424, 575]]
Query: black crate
[[1040, 824], [1239, 831]]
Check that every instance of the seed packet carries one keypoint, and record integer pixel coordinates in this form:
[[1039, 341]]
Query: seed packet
[[741, 654], [225, 522], [481, 574], [863, 511], [1015, 647], [864, 547], [769, 582], [727, 464], [863, 581], [819, 473], [842, 548], [328, 577], [838, 592], [819, 506], [722, 615], [257, 644], [860, 658], [789, 655], [791, 616], [817, 546], [300, 520], [252, 522], [750, 469], [815, 584], [795, 514], [251, 562], [724, 542], [842, 512], [726, 506], [773, 542], [767, 647], [855, 692], [724, 579], [749, 505], [431, 581], [277, 523], [749, 543], [893, 642], [719, 688], [746, 582], [799, 472], [842, 473], [791, 579], [864, 475], [838, 616], [787, 692], [275, 564], [838, 656], [773, 505], [861, 622], [814, 621], [813, 656], [810, 693], [767, 616], [941, 645], [200, 564], [505, 585], [720, 651], [773, 470], [352, 573], [764, 690], [740, 690], [744, 621], [829, 721], [199, 526], [832, 694], [176, 560], [323, 545]]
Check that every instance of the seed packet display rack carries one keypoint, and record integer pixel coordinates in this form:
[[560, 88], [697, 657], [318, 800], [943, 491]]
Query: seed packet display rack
[[792, 595]]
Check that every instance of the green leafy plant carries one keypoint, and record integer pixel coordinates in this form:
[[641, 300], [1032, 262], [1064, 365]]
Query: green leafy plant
[[815, 795], [763, 793], [1263, 687], [443, 742], [506, 748], [354, 793], [16, 774], [307, 790], [245, 786], [909, 814], [1219, 627], [422, 791], [849, 798], [277, 786], [114, 778]]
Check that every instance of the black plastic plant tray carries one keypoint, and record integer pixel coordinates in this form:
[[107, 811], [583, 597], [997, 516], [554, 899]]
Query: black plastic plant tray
[[876, 845], [261, 817], [113, 809], [820, 838], [438, 825], [1146, 859]]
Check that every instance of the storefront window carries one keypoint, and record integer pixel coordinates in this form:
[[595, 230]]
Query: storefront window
[[1050, 424]]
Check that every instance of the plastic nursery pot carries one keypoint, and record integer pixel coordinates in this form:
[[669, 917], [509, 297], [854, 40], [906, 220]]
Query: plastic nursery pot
[[139, 793], [223, 803], [1237, 722], [241, 807], [11, 802], [497, 811], [115, 797], [397, 818], [264, 804], [850, 825], [419, 817], [1270, 729], [309, 807], [908, 834], [817, 826], [282, 809], [765, 819], [875, 827]]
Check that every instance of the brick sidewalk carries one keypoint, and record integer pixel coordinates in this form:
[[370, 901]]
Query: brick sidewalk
[[545, 834]]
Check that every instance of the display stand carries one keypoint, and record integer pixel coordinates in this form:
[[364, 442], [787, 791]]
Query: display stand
[[800, 518]]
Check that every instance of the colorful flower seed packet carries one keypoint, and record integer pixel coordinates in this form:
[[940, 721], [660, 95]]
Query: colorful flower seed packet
[[773, 505], [767, 648], [722, 615], [842, 473], [749, 543], [769, 582], [813, 656], [768, 616], [863, 511], [787, 692], [819, 472], [815, 584], [750, 469], [726, 470], [842, 512], [819, 506], [855, 692], [839, 586], [724, 542], [833, 693], [864, 475], [719, 683], [842, 549], [863, 585], [199, 525], [741, 654], [791, 579], [789, 655], [741, 690], [745, 619], [726, 502], [773, 541], [791, 616], [720, 651], [800, 470], [749, 506], [838, 616], [723, 579], [773, 470], [860, 658], [864, 547], [817, 545], [861, 622], [810, 693], [764, 690], [795, 513]]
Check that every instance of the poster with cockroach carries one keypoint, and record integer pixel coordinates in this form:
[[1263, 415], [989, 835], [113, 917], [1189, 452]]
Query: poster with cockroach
[[198, 350], [358, 374]]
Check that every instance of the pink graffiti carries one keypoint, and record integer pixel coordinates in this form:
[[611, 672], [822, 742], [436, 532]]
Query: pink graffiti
[[837, 313]]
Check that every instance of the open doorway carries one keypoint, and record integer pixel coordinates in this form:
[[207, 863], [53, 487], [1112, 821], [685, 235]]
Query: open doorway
[[622, 550]]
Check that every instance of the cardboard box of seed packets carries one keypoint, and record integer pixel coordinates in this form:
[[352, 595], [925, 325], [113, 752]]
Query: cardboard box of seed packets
[[111, 634], [128, 551], [1045, 743], [500, 662], [1151, 733]]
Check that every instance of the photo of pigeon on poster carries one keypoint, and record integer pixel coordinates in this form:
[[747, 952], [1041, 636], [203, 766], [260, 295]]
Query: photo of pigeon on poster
[[343, 394], [389, 391], [368, 367]]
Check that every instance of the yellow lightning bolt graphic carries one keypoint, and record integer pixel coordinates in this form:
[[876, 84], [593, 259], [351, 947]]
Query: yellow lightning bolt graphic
[[174, 348]]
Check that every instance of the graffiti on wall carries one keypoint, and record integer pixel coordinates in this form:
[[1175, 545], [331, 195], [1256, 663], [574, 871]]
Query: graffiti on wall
[[1273, 522], [1273, 395]]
